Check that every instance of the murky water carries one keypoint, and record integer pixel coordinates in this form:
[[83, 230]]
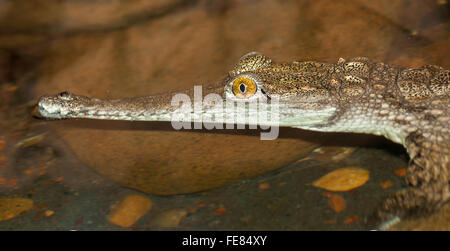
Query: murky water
[[48, 173], [76, 171]]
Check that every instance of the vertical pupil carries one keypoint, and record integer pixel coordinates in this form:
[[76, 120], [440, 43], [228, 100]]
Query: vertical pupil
[[242, 87]]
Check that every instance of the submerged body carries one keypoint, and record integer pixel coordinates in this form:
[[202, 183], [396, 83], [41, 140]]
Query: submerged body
[[408, 106]]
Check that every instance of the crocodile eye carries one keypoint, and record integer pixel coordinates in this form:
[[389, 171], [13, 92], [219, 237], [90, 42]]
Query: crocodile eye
[[244, 87]]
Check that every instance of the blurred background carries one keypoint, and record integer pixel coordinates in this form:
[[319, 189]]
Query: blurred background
[[70, 174]]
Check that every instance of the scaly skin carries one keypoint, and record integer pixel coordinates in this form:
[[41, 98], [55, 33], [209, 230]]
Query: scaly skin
[[408, 106]]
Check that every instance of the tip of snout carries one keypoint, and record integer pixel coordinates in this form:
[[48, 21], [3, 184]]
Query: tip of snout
[[35, 112]]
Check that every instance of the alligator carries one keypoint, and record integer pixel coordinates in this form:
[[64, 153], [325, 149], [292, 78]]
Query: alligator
[[409, 106]]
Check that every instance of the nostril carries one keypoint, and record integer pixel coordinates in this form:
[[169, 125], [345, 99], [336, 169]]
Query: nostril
[[64, 94]]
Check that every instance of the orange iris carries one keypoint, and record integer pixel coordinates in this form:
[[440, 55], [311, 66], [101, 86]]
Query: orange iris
[[244, 87]]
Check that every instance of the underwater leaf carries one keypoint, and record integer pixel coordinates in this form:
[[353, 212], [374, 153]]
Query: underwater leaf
[[386, 184], [400, 172], [343, 179], [129, 210], [337, 203], [12, 207]]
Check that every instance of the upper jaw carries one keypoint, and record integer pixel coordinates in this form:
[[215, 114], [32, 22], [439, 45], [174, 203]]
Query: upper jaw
[[51, 107], [46, 111]]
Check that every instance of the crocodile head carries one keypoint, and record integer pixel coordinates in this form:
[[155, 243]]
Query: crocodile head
[[303, 100]]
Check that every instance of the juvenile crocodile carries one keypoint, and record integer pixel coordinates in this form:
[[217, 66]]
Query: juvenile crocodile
[[408, 106]]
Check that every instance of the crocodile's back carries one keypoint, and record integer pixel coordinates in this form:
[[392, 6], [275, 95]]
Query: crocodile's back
[[425, 94], [408, 106], [415, 104], [406, 101], [428, 84], [416, 100]]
